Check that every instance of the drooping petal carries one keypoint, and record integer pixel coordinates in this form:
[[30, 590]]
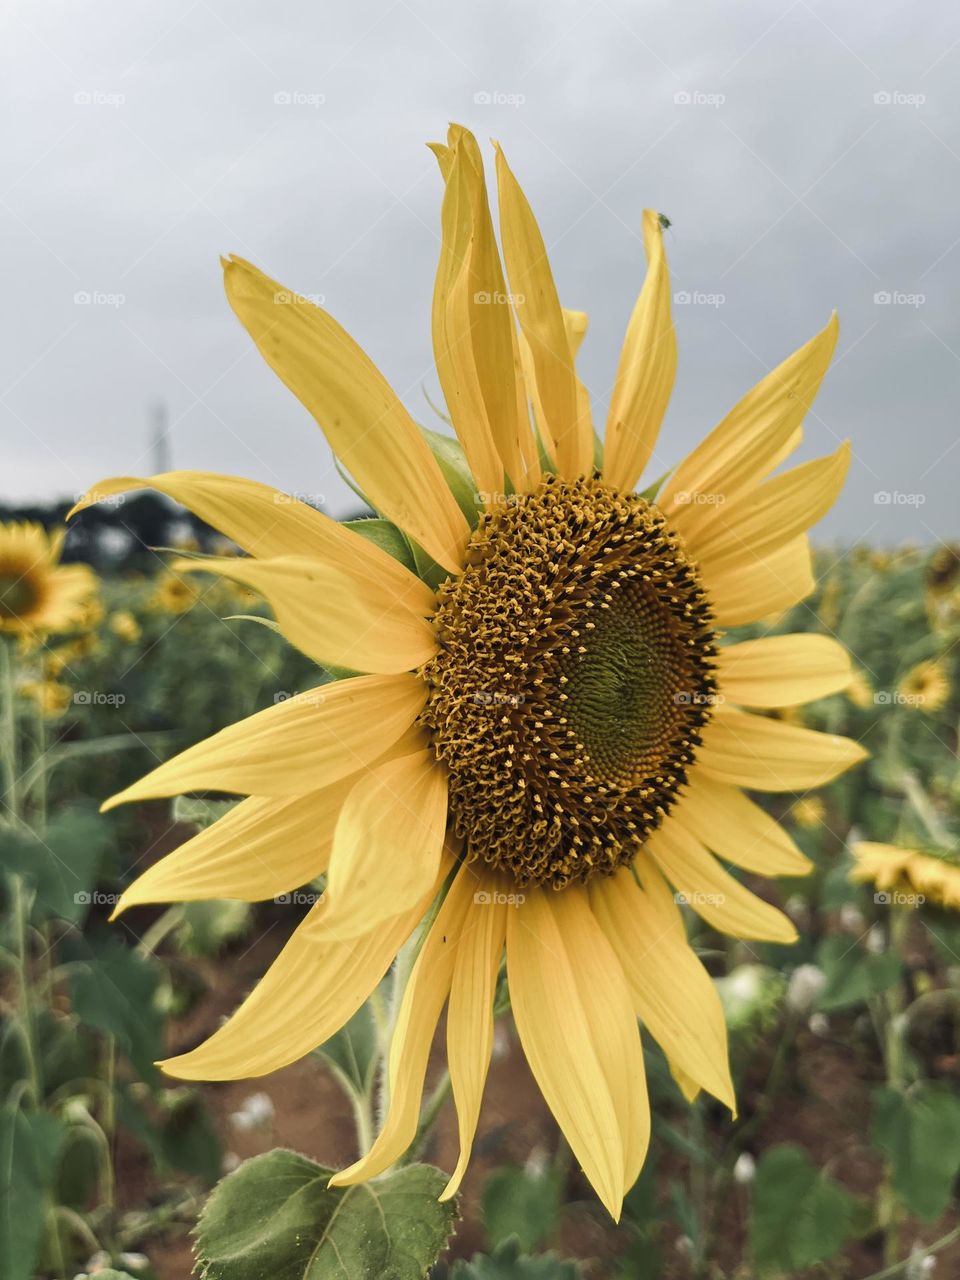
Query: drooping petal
[[364, 421], [753, 438], [265, 523], [308, 741], [769, 755], [312, 988], [713, 892], [470, 1011], [673, 994], [737, 829], [543, 328], [576, 1024], [423, 1001], [762, 585], [259, 849], [766, 518], [387, 844], [352, 620], [648, 365], [782, 671]]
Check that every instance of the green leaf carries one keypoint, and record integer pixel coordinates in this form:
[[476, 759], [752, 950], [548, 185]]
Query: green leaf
[[800, 1216], [114, 990], [386, 536], [519, 1204], [353, 1051], [61, 865], [507, 1263], [854, 974], [207, 926], [453, 464], [188, 1137], [919, 1133], [275, 1217], [199, 812], [30, 1149]]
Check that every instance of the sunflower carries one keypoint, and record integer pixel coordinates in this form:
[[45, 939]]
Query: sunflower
[[925, 686], [125, 626], [544, 749], [38, 595], [173, 594], [932, 877], [51, 696]]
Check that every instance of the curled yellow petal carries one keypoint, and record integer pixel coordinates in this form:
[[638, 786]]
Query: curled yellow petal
[[648, 365], [782, 671], [770, 755]]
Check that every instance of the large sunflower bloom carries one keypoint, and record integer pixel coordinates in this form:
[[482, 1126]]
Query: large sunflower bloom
[[38, 595], [552, 737]]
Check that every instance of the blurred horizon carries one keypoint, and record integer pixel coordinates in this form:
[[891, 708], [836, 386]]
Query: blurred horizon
[[807, 160]]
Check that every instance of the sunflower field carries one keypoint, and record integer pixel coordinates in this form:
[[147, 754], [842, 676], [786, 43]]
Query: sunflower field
[[845, 1047]]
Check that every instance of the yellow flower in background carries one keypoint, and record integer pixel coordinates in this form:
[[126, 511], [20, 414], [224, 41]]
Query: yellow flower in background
[[173, 594], [52, 697], [908, 872], [552, 739], [39, 595], [125, 626], [860, 690], [808, 812], [941, 573], [925, 686]]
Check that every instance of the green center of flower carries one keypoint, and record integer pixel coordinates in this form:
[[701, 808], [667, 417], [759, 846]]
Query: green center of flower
[[573, 678], [18, 595]]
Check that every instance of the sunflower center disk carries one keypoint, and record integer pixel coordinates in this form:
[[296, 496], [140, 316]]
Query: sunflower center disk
[[17, 595], [573, 678]]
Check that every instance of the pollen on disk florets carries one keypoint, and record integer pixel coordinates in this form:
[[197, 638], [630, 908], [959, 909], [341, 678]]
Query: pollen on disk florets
[[573, 677]]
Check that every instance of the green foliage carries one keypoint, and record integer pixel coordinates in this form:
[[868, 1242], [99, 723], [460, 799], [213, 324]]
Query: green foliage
[[386, 536], [207, 926], [517, 1203], [114, 990], [453, 464], [507, 1263], [800, 1215], [353, 1051], [61, 865], [30, 1149], [853, 974], [919, 1133], [276, 1216]]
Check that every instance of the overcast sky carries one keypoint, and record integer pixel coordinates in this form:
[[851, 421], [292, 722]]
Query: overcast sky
[[808, 155]]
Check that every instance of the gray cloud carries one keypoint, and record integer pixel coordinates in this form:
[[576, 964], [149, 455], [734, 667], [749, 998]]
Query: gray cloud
[[808, 160]]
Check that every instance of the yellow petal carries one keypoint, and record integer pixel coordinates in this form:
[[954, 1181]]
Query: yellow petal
[[423, 1001], [306, 742], [673, 994], [366, 425], [768, 517], [769, 755], [761, 585], [782, 671], [480, 319], [737, 829], [387, 844], [451, 324], [543, 328], [470, 1012], [351, 620], [754, 437], [259, 849], [648, 364], [712, 892], [308, 993], [574, 1017]]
